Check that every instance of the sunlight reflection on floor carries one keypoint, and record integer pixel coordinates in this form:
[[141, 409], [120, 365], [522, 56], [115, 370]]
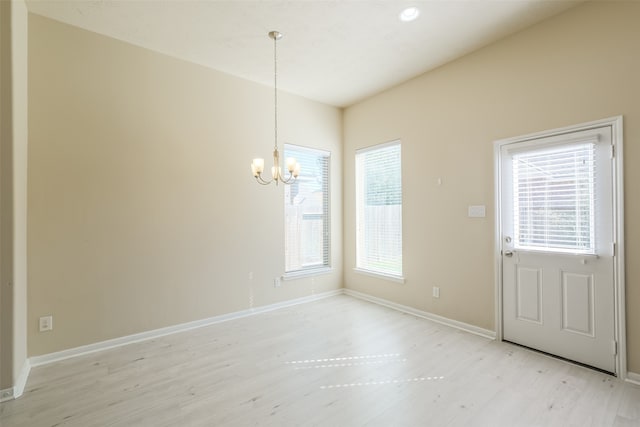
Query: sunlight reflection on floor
[[352, 361], [367, 383]]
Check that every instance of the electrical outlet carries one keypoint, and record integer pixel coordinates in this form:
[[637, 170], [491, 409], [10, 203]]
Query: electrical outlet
[[46, 323], [276, 282], [436, 292]]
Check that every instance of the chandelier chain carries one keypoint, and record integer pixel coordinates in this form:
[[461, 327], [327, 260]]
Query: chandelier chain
[[275, 89]]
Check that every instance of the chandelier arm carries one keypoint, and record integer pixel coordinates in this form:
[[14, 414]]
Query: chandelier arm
[[261, 180], [288, 180]]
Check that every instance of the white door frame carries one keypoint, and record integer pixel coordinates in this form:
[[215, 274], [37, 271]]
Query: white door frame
[[618, 231]]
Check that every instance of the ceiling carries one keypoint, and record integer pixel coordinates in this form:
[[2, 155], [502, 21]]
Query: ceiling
[[334, 51]]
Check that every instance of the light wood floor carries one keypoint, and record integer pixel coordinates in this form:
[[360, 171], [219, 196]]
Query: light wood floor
[[335, 362]]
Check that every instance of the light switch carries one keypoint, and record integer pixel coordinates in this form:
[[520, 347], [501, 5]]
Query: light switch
[[478, 211], [45, 323]]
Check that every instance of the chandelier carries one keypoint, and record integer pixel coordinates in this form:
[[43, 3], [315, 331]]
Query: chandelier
[[257, 166]]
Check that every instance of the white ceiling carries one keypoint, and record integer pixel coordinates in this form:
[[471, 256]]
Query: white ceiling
[[333, 51]]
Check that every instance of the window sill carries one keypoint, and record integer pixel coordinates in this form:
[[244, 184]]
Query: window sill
[[306, 273], [392, 278]]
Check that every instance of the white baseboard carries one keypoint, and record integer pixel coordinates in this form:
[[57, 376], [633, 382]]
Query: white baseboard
[[18, 388], [424, 314], [633, 378], [144, 336]]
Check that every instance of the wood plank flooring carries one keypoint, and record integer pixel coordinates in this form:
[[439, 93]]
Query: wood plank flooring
[[334, 362]]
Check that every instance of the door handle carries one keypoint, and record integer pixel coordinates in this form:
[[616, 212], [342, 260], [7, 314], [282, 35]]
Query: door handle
[[508, 253]]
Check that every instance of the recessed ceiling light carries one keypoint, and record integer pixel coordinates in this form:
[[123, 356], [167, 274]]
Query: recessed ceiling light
[[409, 14]]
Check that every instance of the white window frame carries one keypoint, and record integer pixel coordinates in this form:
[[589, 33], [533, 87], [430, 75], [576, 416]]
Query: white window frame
[[325, 267], [361, 262]]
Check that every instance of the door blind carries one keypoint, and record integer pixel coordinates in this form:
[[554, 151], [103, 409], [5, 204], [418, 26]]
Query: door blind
[[554, 195]]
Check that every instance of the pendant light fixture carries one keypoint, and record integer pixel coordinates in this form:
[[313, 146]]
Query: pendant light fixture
[[257, 166]]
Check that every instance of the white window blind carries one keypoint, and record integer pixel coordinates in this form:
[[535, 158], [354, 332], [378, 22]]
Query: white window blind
[[554, 195], [306, 211], [379, 209]]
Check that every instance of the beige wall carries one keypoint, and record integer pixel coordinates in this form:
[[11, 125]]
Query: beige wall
[[142, 209], [579, 66], [13, 194]]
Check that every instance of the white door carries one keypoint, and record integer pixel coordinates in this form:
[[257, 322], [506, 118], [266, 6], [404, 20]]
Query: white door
[[558, 246]]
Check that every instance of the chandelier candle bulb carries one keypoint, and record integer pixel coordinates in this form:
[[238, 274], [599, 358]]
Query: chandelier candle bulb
[[258, 164], [291, 164]]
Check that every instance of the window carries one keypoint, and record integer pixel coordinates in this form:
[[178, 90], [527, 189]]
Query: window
[[379, 210], [554, 198], [306, 212]]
